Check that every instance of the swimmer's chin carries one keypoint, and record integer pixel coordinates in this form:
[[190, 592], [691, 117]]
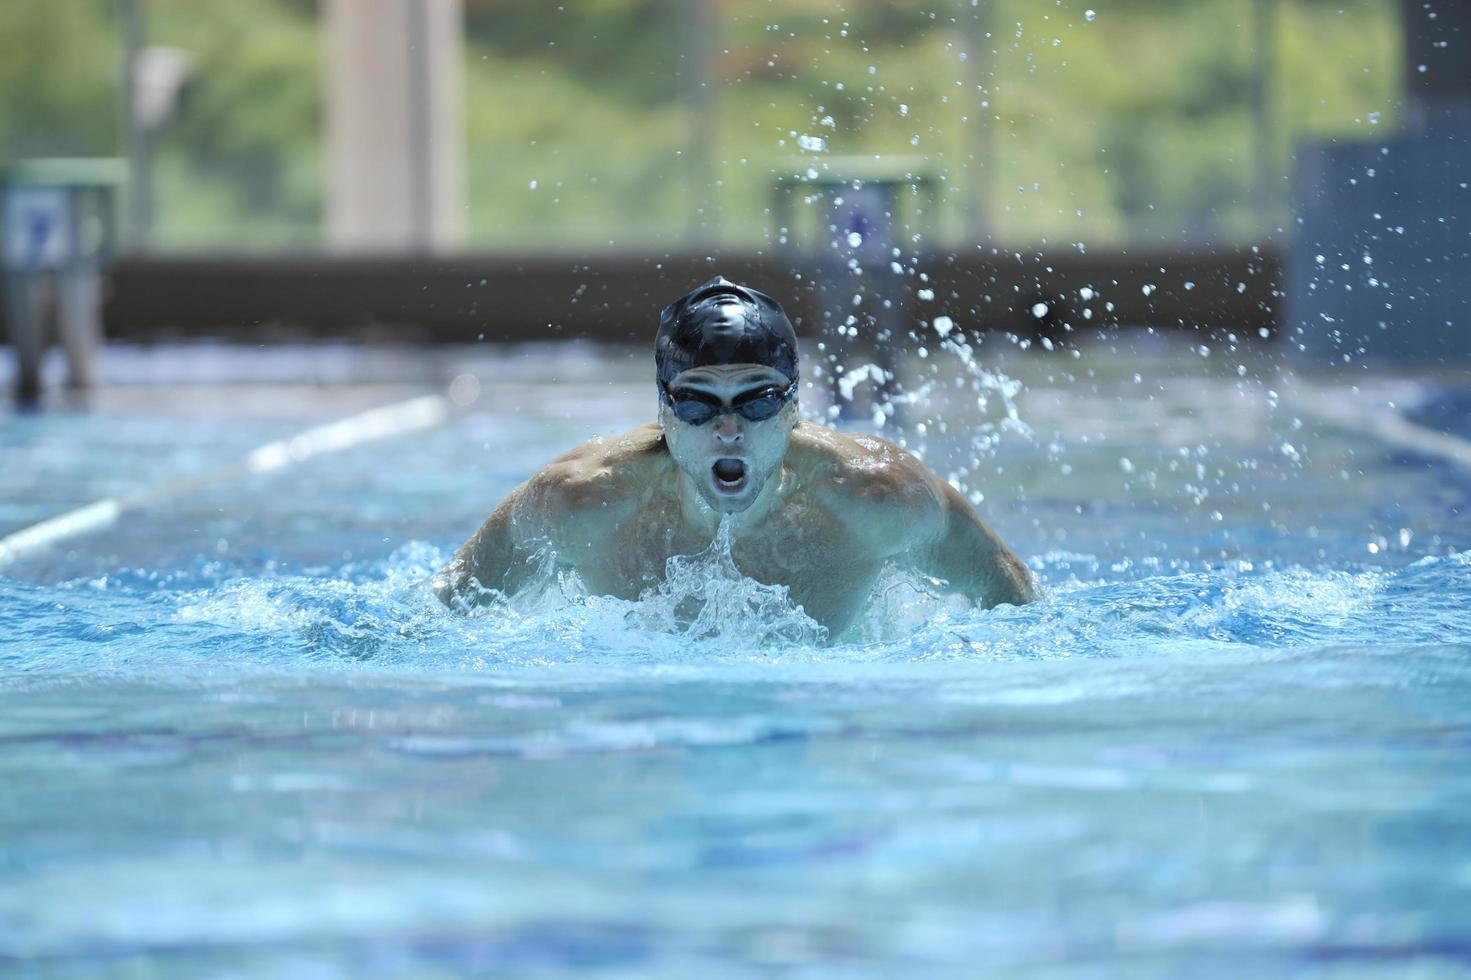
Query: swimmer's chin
[[725, 502]]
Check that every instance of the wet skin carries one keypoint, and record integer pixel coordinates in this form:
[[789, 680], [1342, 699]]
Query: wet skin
[[812, 509]]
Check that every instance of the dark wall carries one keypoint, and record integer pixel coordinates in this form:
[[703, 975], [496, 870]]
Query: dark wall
[[618, 296]]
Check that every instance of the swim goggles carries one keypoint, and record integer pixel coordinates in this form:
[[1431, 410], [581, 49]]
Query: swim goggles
[[757, 405]]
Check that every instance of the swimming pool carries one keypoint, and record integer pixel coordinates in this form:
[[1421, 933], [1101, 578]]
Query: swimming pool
[[237, 735]]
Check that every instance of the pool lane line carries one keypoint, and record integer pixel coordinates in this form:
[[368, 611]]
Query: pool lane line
[[413, 415], [1384, 424]]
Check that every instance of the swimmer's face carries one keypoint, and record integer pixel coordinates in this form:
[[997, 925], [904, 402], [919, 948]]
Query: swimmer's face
[[729, 456]]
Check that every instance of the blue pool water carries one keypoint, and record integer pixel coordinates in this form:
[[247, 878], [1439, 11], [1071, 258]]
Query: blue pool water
[[237, 737]]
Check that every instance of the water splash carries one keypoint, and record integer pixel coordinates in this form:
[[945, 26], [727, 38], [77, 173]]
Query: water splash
[[706, 597], [708, 616]]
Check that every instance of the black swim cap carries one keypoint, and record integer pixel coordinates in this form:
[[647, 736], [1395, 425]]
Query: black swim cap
[[700, 329]]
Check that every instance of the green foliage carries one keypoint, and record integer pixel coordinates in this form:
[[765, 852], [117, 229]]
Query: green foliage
[[58, 74], [1042, 125], [241, 165]]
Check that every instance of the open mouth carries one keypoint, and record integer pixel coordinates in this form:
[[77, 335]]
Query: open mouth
[[730, 475]]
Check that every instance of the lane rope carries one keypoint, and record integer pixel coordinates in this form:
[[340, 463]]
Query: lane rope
[[413, 415]]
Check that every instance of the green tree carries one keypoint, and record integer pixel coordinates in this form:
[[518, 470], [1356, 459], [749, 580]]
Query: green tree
[[58, 78]]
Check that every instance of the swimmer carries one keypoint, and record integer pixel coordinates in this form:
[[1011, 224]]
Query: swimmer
[[817, 511]]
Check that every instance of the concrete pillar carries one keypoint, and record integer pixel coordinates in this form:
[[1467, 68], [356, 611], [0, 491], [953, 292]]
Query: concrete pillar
[[133, 29], [979, 203], [698, 26], [395, 130], [1266, 175]]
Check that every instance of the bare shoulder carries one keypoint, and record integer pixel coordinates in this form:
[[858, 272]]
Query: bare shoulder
[[566, 504], [860, 465], [868, 478], [609, 453], [886, 497], [603, 472]]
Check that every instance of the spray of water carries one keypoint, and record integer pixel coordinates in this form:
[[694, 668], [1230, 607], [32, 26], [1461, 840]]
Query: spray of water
[[382, 615], [706, 597]]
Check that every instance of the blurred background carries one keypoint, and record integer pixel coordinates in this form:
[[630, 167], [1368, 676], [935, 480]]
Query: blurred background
[[458, 170], [661, 124], [985, 216]]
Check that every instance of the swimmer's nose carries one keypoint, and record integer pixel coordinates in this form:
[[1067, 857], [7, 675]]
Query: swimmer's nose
[[728, 431]]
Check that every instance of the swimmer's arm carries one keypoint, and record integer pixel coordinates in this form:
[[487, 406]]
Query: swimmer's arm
[[496, 556], [969, 555], [912, 517], [564, 507], [489, 558]]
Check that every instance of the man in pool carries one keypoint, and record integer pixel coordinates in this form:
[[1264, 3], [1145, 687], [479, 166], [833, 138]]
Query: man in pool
[[812, 509]]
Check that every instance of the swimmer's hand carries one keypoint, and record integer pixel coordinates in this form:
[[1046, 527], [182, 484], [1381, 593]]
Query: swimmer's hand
[[460, 590]]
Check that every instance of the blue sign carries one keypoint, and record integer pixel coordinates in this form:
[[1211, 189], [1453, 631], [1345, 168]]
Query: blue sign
[[38, 227]]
